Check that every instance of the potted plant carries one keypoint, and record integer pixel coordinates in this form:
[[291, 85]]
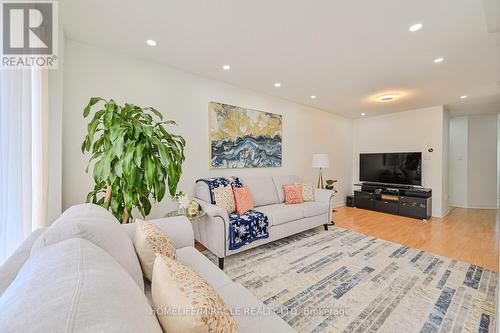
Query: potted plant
[[330, 184], [136, 158]]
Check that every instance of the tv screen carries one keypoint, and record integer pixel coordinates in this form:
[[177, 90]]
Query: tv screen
[[391, 168]]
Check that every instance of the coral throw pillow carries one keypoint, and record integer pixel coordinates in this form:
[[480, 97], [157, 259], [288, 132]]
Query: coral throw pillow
[[293, 194], [243, 199]]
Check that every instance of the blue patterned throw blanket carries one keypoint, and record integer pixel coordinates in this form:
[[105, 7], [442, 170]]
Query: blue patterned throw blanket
[[243, 228]]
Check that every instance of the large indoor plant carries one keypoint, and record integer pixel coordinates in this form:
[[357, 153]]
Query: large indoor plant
[[136, 158]]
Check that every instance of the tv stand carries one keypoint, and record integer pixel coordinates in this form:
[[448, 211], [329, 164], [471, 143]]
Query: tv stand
[[405, 200]]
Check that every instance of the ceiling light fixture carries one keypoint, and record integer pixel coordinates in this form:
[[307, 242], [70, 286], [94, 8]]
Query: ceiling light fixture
[[416, 27], [387, 98], [277, 84], [151, 42], [463, 96], [363, 114], [438, 60], [226, 67], [313, 97]]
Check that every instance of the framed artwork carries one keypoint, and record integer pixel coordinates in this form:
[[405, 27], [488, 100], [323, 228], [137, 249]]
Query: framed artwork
[[243, 138]]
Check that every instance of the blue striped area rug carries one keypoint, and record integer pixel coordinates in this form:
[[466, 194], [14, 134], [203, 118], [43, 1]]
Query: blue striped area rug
[[343, 281]]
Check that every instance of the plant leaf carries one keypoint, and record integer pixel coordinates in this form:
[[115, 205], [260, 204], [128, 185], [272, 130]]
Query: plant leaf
[[92, 102]]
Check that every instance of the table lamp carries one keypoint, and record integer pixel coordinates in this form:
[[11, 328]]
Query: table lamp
[[320, 161]]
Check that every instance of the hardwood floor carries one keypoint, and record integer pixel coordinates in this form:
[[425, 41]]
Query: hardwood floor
[[470, 235]]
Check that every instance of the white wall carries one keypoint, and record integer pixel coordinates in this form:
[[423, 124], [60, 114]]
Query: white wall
[[482, 161], [90, 71], [473, 161], [446, 164], [415, 130], [458, 161]]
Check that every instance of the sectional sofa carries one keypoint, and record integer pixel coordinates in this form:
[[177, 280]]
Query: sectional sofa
[[67, 279], [268, 197]]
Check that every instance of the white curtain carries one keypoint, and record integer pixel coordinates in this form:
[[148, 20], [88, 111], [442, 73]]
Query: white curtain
[[23, 155]]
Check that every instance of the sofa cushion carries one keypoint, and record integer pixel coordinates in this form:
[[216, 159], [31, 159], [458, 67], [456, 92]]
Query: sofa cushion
[[192, 258], [279, 181], [251, 314], [314, 208], [224, 198], [263, 190], [13, 264], [282, 213], [98, 226], [74, 286]]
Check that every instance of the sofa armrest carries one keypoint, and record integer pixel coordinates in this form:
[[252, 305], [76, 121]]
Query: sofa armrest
[[178, 229], [213, 211], [213, 229], [325, 196]]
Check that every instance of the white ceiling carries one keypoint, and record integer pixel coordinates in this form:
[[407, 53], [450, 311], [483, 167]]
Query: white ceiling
[[341, 51]]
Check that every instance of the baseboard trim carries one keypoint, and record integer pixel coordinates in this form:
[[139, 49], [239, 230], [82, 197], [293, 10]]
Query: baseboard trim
[[448, 211], [473, 207], [338, 204]]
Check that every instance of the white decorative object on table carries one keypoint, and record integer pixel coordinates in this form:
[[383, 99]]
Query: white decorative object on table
[[183, 201]]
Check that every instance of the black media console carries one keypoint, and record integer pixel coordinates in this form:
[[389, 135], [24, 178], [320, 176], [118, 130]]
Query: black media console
[[403, 200]]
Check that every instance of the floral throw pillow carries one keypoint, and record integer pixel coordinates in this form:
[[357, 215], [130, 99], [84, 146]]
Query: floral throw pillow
[[243, 199], [224, 198], [293, 194], [148, 241], [307, 191], [175, 286]]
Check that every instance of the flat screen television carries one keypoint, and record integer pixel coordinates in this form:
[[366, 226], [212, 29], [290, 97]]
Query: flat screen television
[[391, 168]]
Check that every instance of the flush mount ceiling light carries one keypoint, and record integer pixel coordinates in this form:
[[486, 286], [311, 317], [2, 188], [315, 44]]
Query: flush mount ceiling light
[[416, 27], [463, 96], [277, 85], [387, 98], [226, 67], [438, 60], [151, 42], [313, 97], [363, 114]]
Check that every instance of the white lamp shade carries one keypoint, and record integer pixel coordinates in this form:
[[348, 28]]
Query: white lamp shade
[[320, 161]]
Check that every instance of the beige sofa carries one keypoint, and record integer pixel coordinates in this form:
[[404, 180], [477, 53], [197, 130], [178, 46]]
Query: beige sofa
[[65, 279], [268, 196]]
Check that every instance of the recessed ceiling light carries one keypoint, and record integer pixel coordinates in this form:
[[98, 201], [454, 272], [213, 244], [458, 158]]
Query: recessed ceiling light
[[463, 96], [363, 114], [416, 27], [226, 67], [313, 97], [277, 84], [151, 42], [387, 98], [438, 60]]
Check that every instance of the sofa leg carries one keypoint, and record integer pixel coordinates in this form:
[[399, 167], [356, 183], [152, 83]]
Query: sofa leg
[[326, 226], [221, 263]]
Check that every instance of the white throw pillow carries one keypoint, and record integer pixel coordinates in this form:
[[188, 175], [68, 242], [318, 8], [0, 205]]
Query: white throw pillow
[[175, 287], [148, 241], [224, 198], [307, 191]]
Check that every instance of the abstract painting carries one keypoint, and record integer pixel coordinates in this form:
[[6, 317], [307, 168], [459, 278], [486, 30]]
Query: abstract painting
[[243, 138]]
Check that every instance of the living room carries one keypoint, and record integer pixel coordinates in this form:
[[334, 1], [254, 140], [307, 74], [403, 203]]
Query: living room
[[281, 110]]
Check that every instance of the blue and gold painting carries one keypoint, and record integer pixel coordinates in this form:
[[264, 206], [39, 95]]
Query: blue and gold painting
[[244, 138]]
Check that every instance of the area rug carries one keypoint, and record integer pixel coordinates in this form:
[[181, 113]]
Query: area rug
[[343, 281]]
